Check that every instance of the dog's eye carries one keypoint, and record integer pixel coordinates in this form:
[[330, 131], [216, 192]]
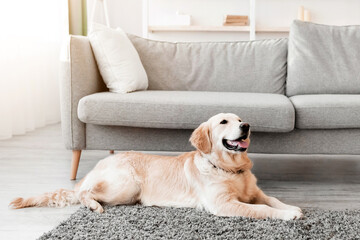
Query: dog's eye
[[223, 122], [239, 120]]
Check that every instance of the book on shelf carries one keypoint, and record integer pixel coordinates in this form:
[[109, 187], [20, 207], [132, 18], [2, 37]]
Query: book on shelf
[[236, 17], [235, 20], [234, 24]]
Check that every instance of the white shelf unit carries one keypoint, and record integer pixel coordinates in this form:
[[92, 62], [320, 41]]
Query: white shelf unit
[[251, 29], [197, 28]]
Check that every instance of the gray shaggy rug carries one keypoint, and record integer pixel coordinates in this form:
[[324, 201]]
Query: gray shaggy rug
[[138, 222]]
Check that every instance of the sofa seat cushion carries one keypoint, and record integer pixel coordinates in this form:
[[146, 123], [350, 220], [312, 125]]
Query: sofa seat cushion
[[186, 109], [326, 111]]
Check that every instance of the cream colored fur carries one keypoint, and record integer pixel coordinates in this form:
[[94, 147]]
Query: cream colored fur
[[188, 180]]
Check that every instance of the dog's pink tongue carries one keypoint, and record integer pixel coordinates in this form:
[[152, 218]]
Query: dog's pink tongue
[[243, 144]]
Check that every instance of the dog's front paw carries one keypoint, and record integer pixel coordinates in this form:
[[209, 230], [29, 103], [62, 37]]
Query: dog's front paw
[[96, 207], [294, 208], [292, 214]]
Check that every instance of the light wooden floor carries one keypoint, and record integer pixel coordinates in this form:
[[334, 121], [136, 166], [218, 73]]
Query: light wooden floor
[[37, 163]]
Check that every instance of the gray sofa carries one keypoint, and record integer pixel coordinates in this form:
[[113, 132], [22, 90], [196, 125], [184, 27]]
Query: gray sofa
[[300, 96]]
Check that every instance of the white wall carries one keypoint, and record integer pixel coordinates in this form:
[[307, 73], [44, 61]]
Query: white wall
[[277, 13], [126, 14]]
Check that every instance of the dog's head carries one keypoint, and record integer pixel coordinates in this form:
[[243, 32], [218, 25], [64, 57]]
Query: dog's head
[[222, 132]]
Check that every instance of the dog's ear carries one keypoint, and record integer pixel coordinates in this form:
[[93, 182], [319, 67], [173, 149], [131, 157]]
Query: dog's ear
[[200, 138]]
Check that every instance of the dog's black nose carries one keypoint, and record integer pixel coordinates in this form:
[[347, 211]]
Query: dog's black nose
[[244, 127]]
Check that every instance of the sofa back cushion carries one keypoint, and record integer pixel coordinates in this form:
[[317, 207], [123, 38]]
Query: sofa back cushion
[[323, 59], [244, 66]]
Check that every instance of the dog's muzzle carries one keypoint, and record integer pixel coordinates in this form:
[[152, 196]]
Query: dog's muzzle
[[239, 144]]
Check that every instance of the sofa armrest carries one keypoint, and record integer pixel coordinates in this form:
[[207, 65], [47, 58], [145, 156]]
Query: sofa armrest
[[79, 77]]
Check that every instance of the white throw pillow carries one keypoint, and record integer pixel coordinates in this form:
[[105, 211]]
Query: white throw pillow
[[118, 61]]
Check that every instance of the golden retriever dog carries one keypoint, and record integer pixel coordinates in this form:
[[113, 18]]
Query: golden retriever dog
[[216, 177]]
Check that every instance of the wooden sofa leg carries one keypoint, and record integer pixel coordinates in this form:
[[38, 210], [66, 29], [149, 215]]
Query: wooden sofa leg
[[75, 163], [111, 151]]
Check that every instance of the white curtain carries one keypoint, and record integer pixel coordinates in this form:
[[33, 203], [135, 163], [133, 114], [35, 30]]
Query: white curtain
[[31, 34]]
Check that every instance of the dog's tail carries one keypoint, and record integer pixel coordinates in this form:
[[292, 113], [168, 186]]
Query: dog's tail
[[59, 198]]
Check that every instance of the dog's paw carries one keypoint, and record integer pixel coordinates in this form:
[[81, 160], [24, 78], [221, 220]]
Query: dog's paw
[[292, 214], [294, 208], [96, 207]]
